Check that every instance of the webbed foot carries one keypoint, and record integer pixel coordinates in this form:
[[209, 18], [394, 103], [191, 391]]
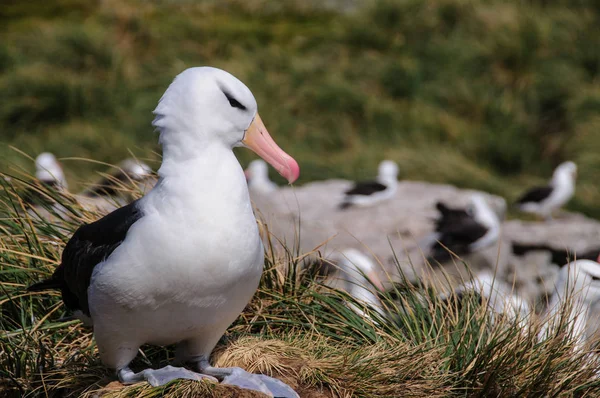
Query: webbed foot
[[159, 377], [239, 377], [265, 384]]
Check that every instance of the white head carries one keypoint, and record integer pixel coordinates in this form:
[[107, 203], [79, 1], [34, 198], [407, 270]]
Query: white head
[[135, 169], [359, 276], [48, 170], [257, 175], [565, 172], [257, 170], [388, 170], [206, 106]]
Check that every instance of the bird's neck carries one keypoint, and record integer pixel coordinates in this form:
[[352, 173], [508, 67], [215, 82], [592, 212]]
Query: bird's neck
[[562, 180], [388, 180], [209, 184]]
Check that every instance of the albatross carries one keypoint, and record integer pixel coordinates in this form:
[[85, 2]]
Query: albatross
[[48, 175], [367, 193], [544, 200], [499, 297], [357, 275], [117, 182], [577, 291], [49, 172], [257, 175], [463, 231], [44, 195], [178, 265]]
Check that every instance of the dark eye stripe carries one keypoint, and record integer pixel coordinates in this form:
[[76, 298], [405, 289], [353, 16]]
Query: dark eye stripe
[[233, 102]]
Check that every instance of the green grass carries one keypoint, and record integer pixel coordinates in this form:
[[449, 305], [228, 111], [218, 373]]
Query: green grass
[[483, 94], [295, 328]]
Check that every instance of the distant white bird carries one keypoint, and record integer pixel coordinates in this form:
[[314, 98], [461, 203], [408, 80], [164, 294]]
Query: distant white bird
[[577, 292], [257, 175], [179, 265], [464, 231], [116, 182], [49, 176], [49, 172], [368, 193], [357, 275], [544, 200], [499, 296]]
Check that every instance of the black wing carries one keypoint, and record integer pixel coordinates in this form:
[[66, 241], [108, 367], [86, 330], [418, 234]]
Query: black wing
[[520, 249], [535, 195], [449, 217], [457, 239], [591, 254], [90, 245], [366, 188], [559, 256]]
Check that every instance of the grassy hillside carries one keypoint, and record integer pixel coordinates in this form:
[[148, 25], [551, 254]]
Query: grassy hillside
[[483, 94]]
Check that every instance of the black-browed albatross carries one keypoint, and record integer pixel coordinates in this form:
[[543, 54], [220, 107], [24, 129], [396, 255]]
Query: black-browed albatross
[[49, 172], [43, 196], [257, 175], [544, 200], [117, 181], [576, 292], [181, 263], [463, 231], [368, 193]]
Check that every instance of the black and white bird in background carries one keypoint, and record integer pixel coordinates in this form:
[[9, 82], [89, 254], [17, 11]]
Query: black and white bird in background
[[368, 193], [49, 181], [180, 264], [575, 302], [49, 172], [496, 294], [257, 176], [463, 231], [118, 181], [546, 199], [357, 274]]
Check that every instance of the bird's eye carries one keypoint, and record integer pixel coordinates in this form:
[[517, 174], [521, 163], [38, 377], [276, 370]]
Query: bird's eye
[[233, 102], [595, 278]]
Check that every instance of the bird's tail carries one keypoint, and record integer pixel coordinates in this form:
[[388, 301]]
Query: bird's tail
[[47, 284]]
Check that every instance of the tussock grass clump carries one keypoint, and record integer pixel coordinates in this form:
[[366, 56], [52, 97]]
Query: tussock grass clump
[[295, 328]]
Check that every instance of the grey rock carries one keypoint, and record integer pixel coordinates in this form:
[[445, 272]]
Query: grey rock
[[393, 232]]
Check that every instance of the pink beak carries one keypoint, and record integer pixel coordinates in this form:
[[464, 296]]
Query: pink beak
[[258, 139]]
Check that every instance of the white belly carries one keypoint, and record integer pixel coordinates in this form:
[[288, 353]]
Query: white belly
[[169, 281]]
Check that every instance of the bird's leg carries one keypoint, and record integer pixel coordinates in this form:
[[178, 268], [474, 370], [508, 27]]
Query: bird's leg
[[239, 377], [159, 377]]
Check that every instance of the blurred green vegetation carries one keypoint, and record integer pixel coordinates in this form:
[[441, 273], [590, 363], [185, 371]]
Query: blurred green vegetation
[[483, 94]]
